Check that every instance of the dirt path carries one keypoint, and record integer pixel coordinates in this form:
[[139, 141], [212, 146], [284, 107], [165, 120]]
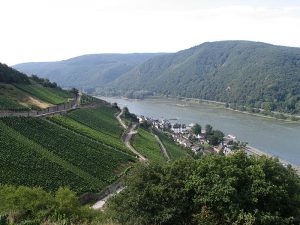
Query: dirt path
[[162, 147], [99, 205], [121, 121], [130, 132]]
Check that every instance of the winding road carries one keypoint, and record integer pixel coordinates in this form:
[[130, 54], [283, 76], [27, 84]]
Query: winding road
[[162, 147]]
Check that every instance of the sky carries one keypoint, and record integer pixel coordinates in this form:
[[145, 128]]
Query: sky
[[50, 30]]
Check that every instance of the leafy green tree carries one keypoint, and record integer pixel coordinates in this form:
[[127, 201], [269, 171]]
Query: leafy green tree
[[214, 190], [196, 129], [67, 202], [208, 129]]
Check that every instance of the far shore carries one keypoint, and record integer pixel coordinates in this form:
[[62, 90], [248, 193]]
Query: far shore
[[198, 100]]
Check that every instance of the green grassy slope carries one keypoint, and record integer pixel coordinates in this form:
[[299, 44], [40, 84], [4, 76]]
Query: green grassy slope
[[101, 119], [94, 159], [175, 151], [51, 95], [145, 143], [85, 130], [24, 162]]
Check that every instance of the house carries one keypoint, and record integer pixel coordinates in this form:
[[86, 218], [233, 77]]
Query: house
[[196, 149], [178, 128], [227, 150]]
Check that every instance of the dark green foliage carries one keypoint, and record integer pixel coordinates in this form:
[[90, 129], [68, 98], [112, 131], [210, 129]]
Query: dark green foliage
[[215, 137], [97, 161], [10, 75], [34, 206], [196, 129], [87, 99], [43, 82], [237, 72], [23, 162], [130, 117], [214, 190]]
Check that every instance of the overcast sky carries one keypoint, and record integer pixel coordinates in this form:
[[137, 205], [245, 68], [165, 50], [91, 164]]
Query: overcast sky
[[47, 30]]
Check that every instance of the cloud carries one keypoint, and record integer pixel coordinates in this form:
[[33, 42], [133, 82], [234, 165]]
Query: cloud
[[35, 30]]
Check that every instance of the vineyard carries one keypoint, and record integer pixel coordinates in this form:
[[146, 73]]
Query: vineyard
[[51, 95], [174, 150], [23, 162], [101, 119], [145, 143], [98, 161], [82, 129], [87, 99]]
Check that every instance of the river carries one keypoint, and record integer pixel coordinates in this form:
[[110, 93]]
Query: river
[[278, 138]]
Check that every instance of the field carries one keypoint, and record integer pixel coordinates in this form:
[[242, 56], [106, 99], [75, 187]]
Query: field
[[98, 164], [25, 97], [51, 95], [175, 151], [10, 98], [23, 162], [101, 119], [145, 143], [103, 137]]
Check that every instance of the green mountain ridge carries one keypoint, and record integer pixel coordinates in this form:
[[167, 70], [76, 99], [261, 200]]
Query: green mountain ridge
[[243, 73], [239, 72], [86, 71]]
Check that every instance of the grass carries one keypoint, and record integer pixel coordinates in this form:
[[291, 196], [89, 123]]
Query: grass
[[145, 143], [97, 135], [101, 119], [11, 97], [94, 159], [24, 162], [174, 150], [51, 95]]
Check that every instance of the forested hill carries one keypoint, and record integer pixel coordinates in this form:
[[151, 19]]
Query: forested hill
[[19, 92], [86, 71], [10, 75], [248, 73]]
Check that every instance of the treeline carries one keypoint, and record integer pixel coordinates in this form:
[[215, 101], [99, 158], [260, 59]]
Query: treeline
[[10, 75], [249, 74], [43, 81], [214, 190], [34, 206]]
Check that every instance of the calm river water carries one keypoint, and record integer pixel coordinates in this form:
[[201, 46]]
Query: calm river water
[[278, 138]]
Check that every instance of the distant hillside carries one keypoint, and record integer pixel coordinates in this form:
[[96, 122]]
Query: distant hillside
[[19, 92], [10, 75], [86, 71], [238, 72]]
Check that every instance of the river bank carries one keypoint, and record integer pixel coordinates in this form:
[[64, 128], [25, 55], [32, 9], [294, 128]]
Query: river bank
[[251, 150], [223, 104]]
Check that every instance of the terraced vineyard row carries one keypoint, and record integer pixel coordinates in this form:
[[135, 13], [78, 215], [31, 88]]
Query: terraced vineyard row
[[174, 150], [81, 128], [145, 143], [50, 95], [97, 160], [101, 119], [23, 162]]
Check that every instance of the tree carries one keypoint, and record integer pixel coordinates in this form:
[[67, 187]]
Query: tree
[[196, 129], [214, 190], [208, 129]]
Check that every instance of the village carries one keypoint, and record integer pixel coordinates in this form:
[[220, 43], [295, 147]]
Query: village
[[194, 137]]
